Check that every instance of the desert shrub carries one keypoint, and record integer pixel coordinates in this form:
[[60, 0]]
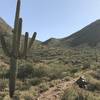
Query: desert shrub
[[55, 75], [96, 75], [4, 73], [3, 84], [52, 84], [25, 71], [86, 65], [79, 94], [70, 94], [93, 82], [97, 86], [35, 81], [52, 71], [6, 97], [2, 95], [91, 87], [19, 85], [24, 87], [29, 71], [39, 72], [26, 96], [74, 70], [67, 78], [1, 98], [57, 71], [43, 87], [45, 78]]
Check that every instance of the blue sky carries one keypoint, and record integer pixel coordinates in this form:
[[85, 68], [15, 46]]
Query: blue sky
[[52, 18]]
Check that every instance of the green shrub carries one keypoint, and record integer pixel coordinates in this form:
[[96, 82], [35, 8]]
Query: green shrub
[[74, 70], [23, 86], [3, 84], [43, 87], [4, 72], [70, 95], [86, 65], [39, 72], [25, 71], [79, 94], [1, 98], [35, 81], [27, 98]]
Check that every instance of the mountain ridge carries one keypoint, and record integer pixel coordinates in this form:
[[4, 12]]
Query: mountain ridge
[[4, 27], [89, 35]]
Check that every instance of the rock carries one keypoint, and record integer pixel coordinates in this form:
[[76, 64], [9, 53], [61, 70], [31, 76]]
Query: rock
[[82, 83]]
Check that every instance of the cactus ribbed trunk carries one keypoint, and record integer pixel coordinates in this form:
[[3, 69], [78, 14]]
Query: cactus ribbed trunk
[[12, 77], [14, 54], [25, 45]]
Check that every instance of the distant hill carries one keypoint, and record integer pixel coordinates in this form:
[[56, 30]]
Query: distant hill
[[4, 27], [7, 31], [52, 42], [89, 35]]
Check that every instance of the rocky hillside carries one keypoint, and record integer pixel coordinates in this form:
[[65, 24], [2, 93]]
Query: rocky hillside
[[89, 35], [4, 27], [7, 31]]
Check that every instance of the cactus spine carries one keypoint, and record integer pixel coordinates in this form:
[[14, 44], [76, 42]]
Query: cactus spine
[[14, 54]]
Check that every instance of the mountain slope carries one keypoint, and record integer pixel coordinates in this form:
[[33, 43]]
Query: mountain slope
[[52, 42], [4, 27], [89, 35], [6, 30]]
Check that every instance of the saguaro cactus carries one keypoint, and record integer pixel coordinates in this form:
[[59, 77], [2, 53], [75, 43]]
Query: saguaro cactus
[[15, 53]]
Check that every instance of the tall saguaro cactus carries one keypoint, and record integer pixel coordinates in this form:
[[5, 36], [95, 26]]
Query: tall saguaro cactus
[[15, 53]]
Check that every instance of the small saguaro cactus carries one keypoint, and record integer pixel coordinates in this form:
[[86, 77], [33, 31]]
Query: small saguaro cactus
[[14, 53]]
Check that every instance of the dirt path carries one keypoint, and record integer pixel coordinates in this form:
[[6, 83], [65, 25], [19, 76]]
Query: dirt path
[[56, 92]]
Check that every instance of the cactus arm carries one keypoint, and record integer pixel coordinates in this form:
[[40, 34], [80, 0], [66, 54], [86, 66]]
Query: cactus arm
[[14, 54], [19, 35], [32, 40], [25, 45], [4, 46]]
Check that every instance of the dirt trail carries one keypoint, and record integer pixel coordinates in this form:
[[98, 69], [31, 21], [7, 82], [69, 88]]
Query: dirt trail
[[57, 91]]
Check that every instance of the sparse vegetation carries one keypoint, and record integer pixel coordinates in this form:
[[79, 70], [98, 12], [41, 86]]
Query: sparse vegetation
[[48, 73], [14, 52], [52, 64]]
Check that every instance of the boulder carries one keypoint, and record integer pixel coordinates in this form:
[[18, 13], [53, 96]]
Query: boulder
[[82, 83]]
